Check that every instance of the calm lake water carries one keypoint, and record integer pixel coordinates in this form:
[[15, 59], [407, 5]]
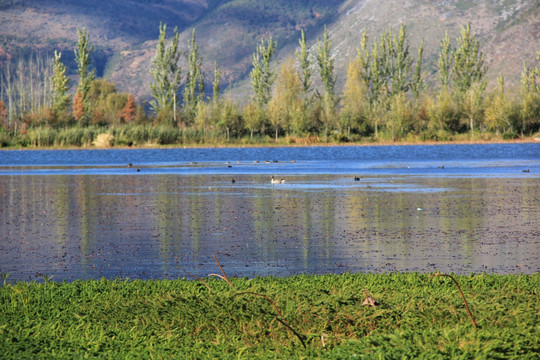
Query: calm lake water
[[79, 214]]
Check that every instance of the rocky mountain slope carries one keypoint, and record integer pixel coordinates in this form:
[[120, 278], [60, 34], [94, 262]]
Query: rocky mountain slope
[[124, 32]]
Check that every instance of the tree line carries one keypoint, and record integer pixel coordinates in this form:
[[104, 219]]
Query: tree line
[[385, 97]]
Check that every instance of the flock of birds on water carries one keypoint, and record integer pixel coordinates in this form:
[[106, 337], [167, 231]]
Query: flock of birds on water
[[274, 180]]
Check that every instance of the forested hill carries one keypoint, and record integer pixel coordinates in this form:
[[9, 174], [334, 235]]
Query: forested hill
[[124, 32]]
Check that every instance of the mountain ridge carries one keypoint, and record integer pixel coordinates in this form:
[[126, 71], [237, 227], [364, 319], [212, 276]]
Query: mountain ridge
[[125, 32]]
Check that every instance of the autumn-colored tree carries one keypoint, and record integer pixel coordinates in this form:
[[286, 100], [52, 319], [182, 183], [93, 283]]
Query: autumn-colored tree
[[355, 97], [287, 97], [128, 112], [78, 106], [3, 115]]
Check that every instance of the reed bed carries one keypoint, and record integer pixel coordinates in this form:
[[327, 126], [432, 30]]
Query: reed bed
[[405, 315]]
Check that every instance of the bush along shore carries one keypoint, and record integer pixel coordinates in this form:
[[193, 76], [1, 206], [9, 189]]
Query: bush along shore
[[397, 315]]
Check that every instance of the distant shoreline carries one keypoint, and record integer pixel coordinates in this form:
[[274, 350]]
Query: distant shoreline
[[533, 140]]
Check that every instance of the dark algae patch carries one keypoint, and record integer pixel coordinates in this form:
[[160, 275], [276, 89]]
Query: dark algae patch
[[411, 315]]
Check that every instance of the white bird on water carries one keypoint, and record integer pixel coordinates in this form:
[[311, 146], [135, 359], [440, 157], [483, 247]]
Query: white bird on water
[[273, 180]]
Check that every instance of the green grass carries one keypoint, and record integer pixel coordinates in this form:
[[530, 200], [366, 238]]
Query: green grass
[[418, 316]]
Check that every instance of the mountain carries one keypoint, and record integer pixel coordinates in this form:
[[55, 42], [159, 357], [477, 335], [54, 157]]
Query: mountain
[[124, 32]]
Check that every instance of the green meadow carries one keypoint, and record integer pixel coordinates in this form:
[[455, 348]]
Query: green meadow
[[347, 316]]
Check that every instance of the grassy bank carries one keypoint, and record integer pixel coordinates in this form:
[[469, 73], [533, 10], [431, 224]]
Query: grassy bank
[[148, 136], [296, 317]]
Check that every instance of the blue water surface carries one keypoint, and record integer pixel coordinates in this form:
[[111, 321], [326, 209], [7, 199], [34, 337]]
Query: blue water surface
[[451, 160]]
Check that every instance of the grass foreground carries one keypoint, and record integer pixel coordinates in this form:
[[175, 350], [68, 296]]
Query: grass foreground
[[406, 315]]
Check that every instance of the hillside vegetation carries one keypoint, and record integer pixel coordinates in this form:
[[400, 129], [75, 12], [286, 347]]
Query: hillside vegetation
[[125, 31]]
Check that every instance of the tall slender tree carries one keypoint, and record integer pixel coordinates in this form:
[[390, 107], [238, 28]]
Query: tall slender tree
[[326, 72], [530, 97], [306, 71], [468, 62], [263, 73], [418, 84], [194, 87], [166, 72], [216, 84], [445, 61], [60, 84], [82, 58]]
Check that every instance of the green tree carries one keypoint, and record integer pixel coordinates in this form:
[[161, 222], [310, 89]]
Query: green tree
[[306, 70], [418, 84], [398, 60], [468, 61], [82, 58], [445, 62], [263, 73], [500, 112], [530, 98], [166, 73], [443, 112], [473, 104], [194, 87], [229, 118], [216, 84], [60, 84], [326, 72], [253, 117]]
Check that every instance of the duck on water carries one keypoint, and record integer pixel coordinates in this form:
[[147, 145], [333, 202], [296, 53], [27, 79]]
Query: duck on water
[[273, 180]]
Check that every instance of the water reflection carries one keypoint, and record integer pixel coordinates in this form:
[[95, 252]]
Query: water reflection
[[154, 226]]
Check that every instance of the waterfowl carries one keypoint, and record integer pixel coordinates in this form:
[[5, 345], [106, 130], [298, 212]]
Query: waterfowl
[[527, 170], [233, 181], [273, 180], [356, 178]]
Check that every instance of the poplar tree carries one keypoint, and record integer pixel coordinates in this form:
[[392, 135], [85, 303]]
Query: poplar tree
[[216, 84], [302, 56], [287, 96], [60, 84], [167, 76], [82, 58], [445, 61], [194, 88], [326, 72], [354, 97], [530, 96], [417, 84], [263, 73], [399, 61], [468, 61]]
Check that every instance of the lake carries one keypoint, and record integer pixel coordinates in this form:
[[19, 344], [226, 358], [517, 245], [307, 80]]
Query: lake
[[80, 214]]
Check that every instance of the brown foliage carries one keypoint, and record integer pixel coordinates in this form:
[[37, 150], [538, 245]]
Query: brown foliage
[[3, 114], [78, 106], [129, 111]]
